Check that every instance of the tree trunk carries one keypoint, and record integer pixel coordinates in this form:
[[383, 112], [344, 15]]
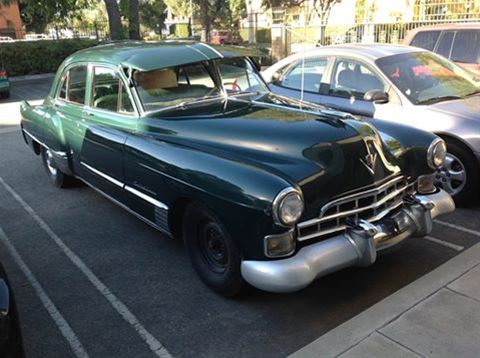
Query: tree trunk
[[205, 21], [114, 20], [133, 20]]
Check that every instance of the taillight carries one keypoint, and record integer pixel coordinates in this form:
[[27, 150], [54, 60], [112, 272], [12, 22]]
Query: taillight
[[3, 73]]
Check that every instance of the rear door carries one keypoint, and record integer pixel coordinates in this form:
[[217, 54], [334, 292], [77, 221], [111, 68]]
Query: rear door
[[109, 119], [304, 79]]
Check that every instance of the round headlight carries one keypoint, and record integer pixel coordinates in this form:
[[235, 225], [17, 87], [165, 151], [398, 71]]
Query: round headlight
[[436, 153], [288, 207]]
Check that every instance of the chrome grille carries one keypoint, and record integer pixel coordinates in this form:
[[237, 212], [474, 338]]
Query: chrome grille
[[370, 205]]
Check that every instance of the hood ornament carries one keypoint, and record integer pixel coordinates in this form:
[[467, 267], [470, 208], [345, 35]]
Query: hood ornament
[[370, 159]]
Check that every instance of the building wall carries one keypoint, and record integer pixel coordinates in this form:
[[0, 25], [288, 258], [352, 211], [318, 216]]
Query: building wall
[[10, 19]]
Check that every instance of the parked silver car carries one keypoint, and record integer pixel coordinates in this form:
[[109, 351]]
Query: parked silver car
[[395, 83]]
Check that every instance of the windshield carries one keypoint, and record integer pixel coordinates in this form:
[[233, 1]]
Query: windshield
[[178, 86], [239, 76], [173, 86], [425, 78]]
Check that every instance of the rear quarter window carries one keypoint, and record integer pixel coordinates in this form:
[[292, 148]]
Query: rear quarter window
[[466, 47], [425, 39]]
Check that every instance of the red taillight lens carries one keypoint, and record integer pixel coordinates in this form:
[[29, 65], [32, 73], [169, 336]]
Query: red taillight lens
[[3, 73]]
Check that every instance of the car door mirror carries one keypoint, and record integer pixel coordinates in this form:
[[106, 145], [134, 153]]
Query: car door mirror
[[376, 96], [276, 77]]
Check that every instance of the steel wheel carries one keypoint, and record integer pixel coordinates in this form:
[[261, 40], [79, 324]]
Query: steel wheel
[[213, 247], [452, 176]]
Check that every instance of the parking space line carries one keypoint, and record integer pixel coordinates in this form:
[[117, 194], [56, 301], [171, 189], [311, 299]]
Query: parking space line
[[155, 346], [444, 243], [459, 228], [52, 310]]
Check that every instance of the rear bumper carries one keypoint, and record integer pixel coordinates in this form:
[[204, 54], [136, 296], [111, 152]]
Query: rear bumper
[[358, 246]]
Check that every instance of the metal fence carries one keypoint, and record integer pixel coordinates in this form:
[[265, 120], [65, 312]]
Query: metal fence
[[97, 31]]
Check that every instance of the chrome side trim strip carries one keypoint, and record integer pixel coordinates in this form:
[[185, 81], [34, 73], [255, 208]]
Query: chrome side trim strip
[[56, 152], [146, 197], [134, 191], [103, 175], [145, 220]]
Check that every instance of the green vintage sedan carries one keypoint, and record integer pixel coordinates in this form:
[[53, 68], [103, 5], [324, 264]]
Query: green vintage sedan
[[262, 189]]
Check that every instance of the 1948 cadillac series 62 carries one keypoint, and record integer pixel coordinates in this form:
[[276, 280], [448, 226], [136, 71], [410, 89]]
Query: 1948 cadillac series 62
[[261, 188]]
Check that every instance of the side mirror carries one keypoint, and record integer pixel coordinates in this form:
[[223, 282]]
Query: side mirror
[[376, 96], [276, 77]]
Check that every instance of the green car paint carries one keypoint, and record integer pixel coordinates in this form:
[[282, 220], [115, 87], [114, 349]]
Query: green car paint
[[234, 154]]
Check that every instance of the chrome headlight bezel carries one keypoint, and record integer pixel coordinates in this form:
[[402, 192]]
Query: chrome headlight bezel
[[436, 153], [278, 205]]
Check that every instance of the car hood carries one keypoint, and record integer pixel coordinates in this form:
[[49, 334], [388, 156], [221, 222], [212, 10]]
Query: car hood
[[324, 155], [466, 108]]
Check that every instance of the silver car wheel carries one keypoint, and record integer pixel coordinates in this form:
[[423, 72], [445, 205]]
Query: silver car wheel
[[452, 176], [50, 163]]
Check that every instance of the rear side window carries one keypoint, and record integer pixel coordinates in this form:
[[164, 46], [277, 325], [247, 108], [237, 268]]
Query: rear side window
[[77, 81], [426, 39], [306, 74], [466, 47], [445, 44]]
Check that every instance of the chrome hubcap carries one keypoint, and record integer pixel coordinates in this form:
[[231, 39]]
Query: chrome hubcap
[[50, 164], [452, 176]]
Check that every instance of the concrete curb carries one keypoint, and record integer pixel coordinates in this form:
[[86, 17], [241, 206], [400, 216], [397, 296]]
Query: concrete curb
[[350, 333], [41, 76]]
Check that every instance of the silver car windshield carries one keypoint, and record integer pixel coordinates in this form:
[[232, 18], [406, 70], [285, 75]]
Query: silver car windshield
[[425, 78]]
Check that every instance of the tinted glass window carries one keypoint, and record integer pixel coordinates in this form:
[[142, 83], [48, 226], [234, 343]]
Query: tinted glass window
[[63, 89], [77, 80], [307, 74], [108, 91], [466, 47], [351, 78], [425, 78], [445, 44], [125, 104], [426, 39], [171, 86]]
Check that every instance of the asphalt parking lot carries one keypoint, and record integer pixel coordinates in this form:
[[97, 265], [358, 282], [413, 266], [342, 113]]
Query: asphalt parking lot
[[88, 275]]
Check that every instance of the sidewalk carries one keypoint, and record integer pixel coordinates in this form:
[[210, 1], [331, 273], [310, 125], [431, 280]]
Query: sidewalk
[[436, 316]]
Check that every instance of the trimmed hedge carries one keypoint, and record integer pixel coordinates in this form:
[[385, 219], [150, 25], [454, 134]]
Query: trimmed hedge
[[31, 57]]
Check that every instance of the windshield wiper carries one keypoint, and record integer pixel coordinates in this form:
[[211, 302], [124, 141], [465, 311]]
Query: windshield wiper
[[439, 99], [473, 93], [185, 104]]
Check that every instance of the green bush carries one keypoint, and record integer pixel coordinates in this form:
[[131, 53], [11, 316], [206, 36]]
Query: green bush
[[31, 57]]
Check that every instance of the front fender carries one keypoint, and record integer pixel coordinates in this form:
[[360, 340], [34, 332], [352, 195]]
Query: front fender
[[239, 194], [408, 144]]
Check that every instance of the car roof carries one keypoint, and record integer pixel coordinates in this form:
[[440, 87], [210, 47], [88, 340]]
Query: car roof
[[366, 51], [148, 56], [456, 26]]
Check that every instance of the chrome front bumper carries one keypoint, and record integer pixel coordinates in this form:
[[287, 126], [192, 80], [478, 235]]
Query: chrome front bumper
[[358, 246]]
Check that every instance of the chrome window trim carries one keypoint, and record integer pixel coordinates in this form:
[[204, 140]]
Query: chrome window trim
[[65, 74], [115, 69]]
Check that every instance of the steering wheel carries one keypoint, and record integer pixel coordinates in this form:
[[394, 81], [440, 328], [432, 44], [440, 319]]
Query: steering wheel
[[234, 84]]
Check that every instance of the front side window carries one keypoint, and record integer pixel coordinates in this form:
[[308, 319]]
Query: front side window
[[238, 75], [109, 92], [426, 39], [466, 47], [425, 78], [74, 85], [168, 87], [306, 75], [352, 78]]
